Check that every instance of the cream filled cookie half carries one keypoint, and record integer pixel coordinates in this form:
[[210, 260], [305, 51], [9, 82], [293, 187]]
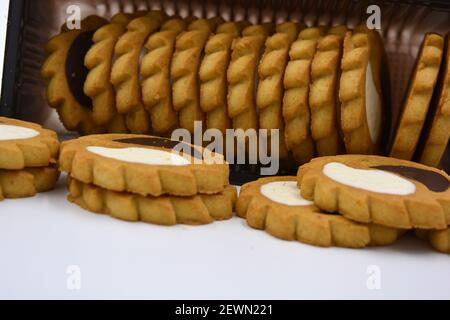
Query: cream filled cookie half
[[275, 205]]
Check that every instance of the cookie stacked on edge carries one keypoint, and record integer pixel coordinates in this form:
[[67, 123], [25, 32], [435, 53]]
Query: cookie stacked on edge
[[352, 201], [28, 155], [146, 178]]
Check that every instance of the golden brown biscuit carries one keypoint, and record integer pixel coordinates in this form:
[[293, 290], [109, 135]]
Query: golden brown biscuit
[[438, 239], [64, 73], [437, 137], [213, 75], [155, 72], [125, 70], [27, 182], [241, 76], [269, 93], [381, 190], [323, 97], [418, 98], [360, 91], [25, 144], [185, 66], [274, 204], [144, 165], [163, 210], [296, 111], [98, 84]]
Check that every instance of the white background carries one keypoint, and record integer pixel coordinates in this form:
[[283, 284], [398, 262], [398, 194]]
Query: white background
[[41, 237]]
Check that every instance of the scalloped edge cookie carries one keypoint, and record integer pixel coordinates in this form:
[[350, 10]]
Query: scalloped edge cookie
[[163, 210], [213, 74], [418, 98], [296, 112], [436, 139], [27, 182], [155, 72], [424, 208], [438, 239], [269, 93], [307, 223], [125, 70], [39, 151], [154, 180], [189, 48], [242, 75], [362, 58], [98, 84], [72, 114], [323, 97]]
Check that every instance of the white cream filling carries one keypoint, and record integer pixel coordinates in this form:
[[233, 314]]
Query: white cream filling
[[373, 106], [372, 180], [11, 132], [141, 155], [284, 192]]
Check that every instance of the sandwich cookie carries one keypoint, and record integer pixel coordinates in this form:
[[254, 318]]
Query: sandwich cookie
[[274, 204], [323, 97], [360, 91], [213, 74], [242, 76], [418, 98], [162, 210], [155, 73], [296, 112], [269, 95], [125, 70], [98, 86], [438, 239], [438, 133], [373, 189], [144, 165], [65, 75], [186, 61]]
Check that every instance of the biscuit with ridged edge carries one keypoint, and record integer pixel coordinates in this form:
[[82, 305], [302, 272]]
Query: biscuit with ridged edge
[[438, 239], [269, 94], [206, 177], [296, 111], [38, 151], [242, 74], [418, 97], [189, 48], [163, 210], [306, 223], [415, 205], [213, 75], [98, 84], [73, 115], [27, 182], [125, 70], [155, 72], [436, 139], [323, 97], [362, 112]]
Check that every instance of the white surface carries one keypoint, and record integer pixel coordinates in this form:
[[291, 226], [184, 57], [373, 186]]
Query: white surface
[[374, 113], [284, 192], [373, 180], [42, 236]]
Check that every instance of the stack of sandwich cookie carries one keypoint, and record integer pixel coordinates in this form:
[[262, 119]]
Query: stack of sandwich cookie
[[388, 192], [152, 179], [28, 156]]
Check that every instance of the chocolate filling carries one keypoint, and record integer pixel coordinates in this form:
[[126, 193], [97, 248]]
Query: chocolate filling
[[431, 179], [76, 72], [164, 143]]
